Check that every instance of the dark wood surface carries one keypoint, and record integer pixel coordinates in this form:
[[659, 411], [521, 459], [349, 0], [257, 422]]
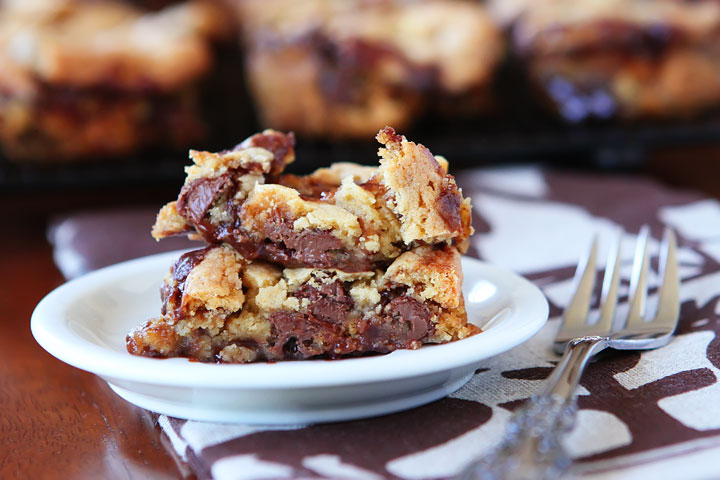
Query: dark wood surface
[[57, 421], [60, 422]]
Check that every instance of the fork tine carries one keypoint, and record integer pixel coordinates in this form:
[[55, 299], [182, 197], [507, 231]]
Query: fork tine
[[638, 279], [668, 311], [577, 311], [608, 300]]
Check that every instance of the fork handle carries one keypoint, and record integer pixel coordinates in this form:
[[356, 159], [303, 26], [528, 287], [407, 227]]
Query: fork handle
[[532, 448]]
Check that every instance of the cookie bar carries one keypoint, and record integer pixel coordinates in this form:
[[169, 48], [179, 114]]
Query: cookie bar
[[622, 58], [346, 69], [95, 79], [344, 217], [218, 306]]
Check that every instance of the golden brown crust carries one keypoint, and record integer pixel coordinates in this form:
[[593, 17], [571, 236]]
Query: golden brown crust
[[422, 194], [431, 273], [168, 222], [156, 338], [215, 284], [266, 201]]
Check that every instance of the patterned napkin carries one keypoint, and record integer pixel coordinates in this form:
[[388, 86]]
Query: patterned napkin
[[655, 413]]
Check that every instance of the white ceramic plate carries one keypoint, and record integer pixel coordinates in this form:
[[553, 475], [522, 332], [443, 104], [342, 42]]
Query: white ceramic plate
[[84, 322]]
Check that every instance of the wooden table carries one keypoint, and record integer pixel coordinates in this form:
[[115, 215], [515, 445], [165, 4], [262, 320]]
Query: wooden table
[[60, 422]]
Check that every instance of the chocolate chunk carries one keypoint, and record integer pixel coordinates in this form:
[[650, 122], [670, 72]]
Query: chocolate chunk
[[197, 197], [302, 335], [448, 206], [187, 261], [329, 302], [198, 345], [290, 348], [281, 145], [405, 322], [275, 253], [312, 240], [412, 315], [317, 248], [296, 334], [318, 332]]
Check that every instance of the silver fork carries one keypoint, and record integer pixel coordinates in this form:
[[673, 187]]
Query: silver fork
[[532, 447]]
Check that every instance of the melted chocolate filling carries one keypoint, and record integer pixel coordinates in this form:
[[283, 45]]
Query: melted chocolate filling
[[283, 245], [410, 317], [319, 331], [329, 302], [403, 321], [316, 248], [296, 335], [197, 197]]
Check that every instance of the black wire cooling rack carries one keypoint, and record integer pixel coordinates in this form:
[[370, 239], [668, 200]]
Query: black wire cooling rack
[[464, 143]]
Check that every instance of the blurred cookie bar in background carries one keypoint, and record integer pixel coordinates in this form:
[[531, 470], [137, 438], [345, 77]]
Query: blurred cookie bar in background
[[345, 69], [103, 78], [624, 59]]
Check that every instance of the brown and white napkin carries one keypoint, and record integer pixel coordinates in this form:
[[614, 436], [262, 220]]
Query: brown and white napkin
[[647, 414]]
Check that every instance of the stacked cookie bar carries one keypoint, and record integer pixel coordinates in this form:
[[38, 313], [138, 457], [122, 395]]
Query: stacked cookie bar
[[345, 69], [629, 59], [100, 79], [344, 261]]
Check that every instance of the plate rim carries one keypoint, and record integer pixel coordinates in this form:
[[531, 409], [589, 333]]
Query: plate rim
[[50, 328]]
